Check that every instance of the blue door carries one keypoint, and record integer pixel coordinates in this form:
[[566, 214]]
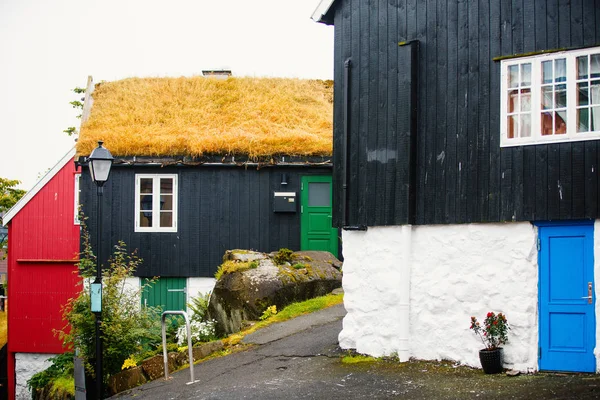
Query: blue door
[[566, 290]]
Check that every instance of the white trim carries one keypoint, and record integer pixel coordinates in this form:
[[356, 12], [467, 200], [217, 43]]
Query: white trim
[[536, 137], [321, 10], [155, 203], [38, 186], [76, 199]]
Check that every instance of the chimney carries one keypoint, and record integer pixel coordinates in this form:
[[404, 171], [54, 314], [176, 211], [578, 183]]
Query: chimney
[[217, 73]]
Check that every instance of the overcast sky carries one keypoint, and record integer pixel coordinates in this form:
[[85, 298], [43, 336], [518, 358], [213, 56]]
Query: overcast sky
[[49, 47]]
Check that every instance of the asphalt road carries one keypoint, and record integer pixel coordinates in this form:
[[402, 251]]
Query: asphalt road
[[300, 359]]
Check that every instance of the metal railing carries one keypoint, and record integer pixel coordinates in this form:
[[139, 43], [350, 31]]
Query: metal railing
[[189, 338]]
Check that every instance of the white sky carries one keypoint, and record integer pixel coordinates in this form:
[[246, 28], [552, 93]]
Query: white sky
[[48, 47]]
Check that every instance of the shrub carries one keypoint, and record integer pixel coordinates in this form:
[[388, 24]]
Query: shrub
[[495, 331], [127, 327], [62, 366], [201, 331]]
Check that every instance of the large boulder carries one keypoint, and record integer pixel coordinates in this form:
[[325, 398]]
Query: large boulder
[[253, 281]]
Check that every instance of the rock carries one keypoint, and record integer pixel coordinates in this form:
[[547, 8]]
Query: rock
[[154, 367], [243, 296], [243, 255], [127, 379], [512, 372], [338, 291]]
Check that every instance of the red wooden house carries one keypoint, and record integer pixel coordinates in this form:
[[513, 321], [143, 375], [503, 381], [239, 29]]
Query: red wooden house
[[42, 252]]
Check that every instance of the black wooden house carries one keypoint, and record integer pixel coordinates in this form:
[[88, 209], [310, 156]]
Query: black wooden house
[[204, 165], [462, 125]]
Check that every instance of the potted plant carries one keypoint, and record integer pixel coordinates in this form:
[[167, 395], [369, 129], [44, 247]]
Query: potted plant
[[493, 334]]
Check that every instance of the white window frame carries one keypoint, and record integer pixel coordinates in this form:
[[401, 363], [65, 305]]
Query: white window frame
[[571, 82], [76, 200], [155, 203]]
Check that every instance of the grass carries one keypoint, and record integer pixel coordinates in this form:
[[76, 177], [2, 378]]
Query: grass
[[358, 358], [3, 328], [196, 116], [231, 266]]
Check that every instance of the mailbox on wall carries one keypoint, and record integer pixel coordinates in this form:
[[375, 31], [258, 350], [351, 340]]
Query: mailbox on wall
[[284, 202]]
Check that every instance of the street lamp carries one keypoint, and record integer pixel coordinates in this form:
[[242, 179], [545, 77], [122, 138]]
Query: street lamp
[[99, 163]]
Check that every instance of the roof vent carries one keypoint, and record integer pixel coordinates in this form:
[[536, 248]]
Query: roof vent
[[217, 73]]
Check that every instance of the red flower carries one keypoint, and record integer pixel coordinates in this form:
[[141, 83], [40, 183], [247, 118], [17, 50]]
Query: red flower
[[489, 314]]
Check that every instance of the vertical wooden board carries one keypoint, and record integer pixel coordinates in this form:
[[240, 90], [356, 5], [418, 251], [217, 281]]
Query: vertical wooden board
[[496, 49], [411, 19], [424, 193], [469, 161], [234, 208], [244, 213], [529, 18], [373, 109], [445, 155], [483, 111], [402, 12], [518, 169], [392, 155], [552, 24], [358, 144], [541, 182], [576, 24], [553, 192], [254, 224], [541, 21], [564, 24], [517, 26], [200, 237], [265, 207], [589, 22], [565, 186], [591, 179], [506, 187], [577, 180], [529, 183], [276, 219], [382, 113], [363, 91], [213, 186]]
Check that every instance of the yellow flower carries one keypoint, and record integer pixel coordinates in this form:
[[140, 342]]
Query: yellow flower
[[129, 363]]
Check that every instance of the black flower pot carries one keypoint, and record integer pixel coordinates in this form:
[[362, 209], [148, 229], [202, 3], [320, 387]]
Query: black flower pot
[[491, 361]]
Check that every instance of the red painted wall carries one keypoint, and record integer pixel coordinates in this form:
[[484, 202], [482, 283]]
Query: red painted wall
[[43, 231]]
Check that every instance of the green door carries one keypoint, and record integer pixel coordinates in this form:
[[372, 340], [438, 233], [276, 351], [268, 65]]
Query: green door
[[316, 232], [166, 293]]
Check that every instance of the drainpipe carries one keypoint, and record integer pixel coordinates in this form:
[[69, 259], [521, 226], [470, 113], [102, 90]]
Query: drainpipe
[[404, 290], [347, 65]]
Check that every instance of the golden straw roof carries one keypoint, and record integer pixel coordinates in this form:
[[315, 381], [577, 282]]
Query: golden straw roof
[[198, 116]]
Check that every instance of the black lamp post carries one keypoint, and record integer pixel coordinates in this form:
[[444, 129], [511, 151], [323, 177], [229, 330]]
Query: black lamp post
[[99, 163]]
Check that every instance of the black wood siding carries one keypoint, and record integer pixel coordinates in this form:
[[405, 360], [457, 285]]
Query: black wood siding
[[462, 174], [220, 208]]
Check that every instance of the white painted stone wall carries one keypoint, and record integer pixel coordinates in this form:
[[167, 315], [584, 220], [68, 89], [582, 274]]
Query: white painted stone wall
[[27, 365], [412, 290], [196, 286]]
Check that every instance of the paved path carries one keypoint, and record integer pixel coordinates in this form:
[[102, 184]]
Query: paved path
[[300, 359]]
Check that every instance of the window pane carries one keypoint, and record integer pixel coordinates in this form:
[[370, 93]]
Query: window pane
[[595, 92], [526, 75], [146, 219], [146, 185], [146, 202], [560, 122], [513, 101], [547, 72], [561, 96], [166, 185], [582, 67], [582, 94], [513, 76], [525, 125], [318, 194], [595, 119], [546, 123], [547, 102], [525, 99], [166, 202], [560, 70], [595, 66], [583, 120], [166, 219], [512, 127]]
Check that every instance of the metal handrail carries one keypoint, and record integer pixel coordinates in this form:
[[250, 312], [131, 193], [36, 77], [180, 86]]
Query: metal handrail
[[189, 337]]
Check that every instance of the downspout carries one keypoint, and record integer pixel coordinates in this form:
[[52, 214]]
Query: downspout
[[344, 212]]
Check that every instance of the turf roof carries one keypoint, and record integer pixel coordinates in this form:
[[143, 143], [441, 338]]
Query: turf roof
[[197, 116]]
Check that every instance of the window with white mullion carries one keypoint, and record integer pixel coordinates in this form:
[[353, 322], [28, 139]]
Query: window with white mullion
[[156, 203], [587, 93]]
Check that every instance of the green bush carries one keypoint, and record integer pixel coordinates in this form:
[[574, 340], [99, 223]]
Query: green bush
[[128, 328], [61, 367]]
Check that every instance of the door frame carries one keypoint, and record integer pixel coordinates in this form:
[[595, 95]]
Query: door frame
[[558, 224], [304, 203]]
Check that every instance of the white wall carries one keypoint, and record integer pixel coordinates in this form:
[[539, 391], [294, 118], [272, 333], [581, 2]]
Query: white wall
[[450, 272], [199, 285], [27, 365]]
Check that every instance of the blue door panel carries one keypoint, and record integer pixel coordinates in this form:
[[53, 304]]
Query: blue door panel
[[567, 319]]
